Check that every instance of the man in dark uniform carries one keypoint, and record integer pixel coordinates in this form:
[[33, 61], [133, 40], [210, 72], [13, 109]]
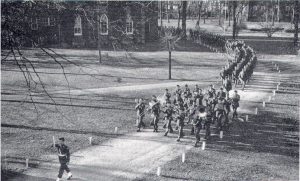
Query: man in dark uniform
[[178, 91], [180, 123], [187, 91], [221, 93], [167, 96], [140, 108], [235, 103], [64, 159], [168, 119], [155, 110]]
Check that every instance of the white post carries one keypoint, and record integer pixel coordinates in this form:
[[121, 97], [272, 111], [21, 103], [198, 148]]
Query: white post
[[203, 145], [278, 71], [277, 87], [256, 111], [53, 139], [274, 92], [116, 130], [270, 98], [183, 157], [247, 117], [264, 104], [158, 173], [27, 163], [221, 134], [5, 161], [91, 140]]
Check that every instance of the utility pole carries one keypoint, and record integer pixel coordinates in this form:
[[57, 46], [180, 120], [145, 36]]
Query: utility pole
[[170, 54]]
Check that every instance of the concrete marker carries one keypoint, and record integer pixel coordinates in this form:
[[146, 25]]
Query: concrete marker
[[264, 104], [183, 157], [90, 140], [270, 98], [53, 139], [158, 172], [116, 130], [27, 163], [274, 92], [247, 117], [203, 145], [221, 134], [256, 111]]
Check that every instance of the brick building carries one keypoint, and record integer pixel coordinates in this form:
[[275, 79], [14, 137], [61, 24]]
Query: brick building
[[80, 24]]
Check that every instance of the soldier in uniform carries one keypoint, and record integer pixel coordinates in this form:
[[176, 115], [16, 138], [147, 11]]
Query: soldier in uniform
[[64, 159], [140, 108], [186, 91], [167, 96], [191, 114], [180, 123], [196, 89], [221, 93], [168, 119], [178, 90], [197, 123], [235, 103], [155, 110]]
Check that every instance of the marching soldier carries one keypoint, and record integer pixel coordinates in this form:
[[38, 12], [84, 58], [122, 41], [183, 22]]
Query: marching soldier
[[196, 89], [221, 93], [211, 91], [168, 119], [64, 159], [155, 110], [197, 123], [140, 108], [167, 96], [187, 91], [180, 123], [178, 90], [235, 103], [191, 114]]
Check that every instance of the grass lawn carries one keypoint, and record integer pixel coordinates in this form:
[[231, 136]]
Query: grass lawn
[[91, 114]]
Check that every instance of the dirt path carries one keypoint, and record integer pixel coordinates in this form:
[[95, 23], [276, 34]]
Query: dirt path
[[136, 155]]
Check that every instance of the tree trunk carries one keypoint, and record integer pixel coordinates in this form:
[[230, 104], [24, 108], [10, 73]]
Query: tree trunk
[[199, 12], [179, 16], [184, 6], [161, 13], [229, 14], [296, 22], [168, 12], [234, 20]]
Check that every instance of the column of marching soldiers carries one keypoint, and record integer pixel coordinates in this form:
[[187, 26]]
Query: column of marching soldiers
[[202, 108]]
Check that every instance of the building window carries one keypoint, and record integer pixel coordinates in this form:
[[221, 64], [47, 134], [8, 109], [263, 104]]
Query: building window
[[129, 26], [103, 25], [34, 24], [44, 21], [51, 21], [77, 26]]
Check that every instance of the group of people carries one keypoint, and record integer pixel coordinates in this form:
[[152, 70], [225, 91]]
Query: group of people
[[197, 107], [240, 68]]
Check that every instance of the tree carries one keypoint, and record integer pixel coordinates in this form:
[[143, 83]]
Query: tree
[[296, 22], [184, 7], [234, 27], [179, 14], [199, 12]]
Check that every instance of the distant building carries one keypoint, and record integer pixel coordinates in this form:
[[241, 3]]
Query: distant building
[[80, 24]]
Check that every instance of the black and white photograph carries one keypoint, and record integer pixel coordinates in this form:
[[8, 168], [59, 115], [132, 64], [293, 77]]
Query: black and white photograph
[[153, 90]]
